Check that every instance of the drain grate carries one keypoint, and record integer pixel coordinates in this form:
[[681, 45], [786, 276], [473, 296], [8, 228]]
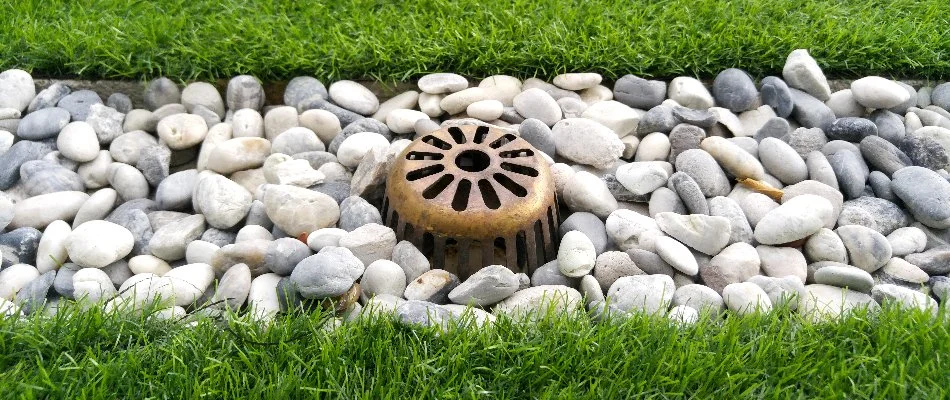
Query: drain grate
[[473, 196]]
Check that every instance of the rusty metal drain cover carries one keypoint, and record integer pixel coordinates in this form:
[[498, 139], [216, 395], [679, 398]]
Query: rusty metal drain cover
[[474, 196]]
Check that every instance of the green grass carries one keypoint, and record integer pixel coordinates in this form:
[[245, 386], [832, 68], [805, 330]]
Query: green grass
[[398, 40], [888, 355]]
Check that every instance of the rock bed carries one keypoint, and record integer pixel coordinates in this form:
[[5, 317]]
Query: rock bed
[[679, 197]]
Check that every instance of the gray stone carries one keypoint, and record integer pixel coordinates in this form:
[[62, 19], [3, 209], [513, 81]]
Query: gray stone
[[43, 124], [410, 259], [739, 228], [689, 192], [801, 71], [734, 89], [782, 291], [170, 241], [650, 262], [106, 121], [423, 313], [704, 170], [154, 163], [356, 212], [934, 261], [588, 224], [736, 263], [360, 125], [904, 298], [538, 104], [850, 173], [63, 283], [283, 255], [882, 155], [782, 161], [924, 152], [345, 116], [684, 137], [890, 126], [370, 242], [809, 111], [775, 127], [851, 129], [647, 294], [775, 93], [658, 119], [323, 275], [805, 140], [845, 277], [433, 286], [175, 191], [19, 246], [303, 88], [640, 93], [32, 297], [876, 92], [925, 193], [538, 135], [20, 153], [160, 92], [136, 221], [907, 240], [550, 274], [120, 102], [78, 103], [48, 97]]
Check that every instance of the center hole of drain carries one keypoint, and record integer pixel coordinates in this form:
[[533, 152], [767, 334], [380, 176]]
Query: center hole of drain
[[472, 160]]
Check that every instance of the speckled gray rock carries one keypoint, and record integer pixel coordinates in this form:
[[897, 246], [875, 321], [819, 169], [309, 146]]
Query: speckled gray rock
[[356, 212], [925, 193], [657, 119], [20, 153], [48, 97], [878, 214], [851, 129], [924, 152], [303, 88], [41, 177], [882, 155], [684, 137], [934, 261], [19, 246], [704, 170], [423, 313]]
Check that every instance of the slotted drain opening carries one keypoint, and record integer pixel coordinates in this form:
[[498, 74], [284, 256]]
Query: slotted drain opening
[[472, 196]]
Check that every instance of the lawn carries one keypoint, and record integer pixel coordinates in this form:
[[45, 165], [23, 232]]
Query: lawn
[[890, 355], [398, 40]]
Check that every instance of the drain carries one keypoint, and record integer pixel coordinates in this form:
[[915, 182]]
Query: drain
[[472, 196]]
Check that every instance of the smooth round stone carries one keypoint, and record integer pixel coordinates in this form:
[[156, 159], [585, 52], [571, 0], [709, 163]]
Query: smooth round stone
[[356, 146], [538, 135], [160, 92], [323, 123], [933, 261], [175, 191], [704, 170], [588, 224], [883, 156], [550, 274], [79, 103], [458, 101], [356, 212], [127, 181], [907, 299], [842, 103], [199, 251], [571, 107], [783, 292], [925, 193], [647, 294], [247, 122], [745, 298], [120, 102], [907, 240], [734, 90], [39, 211], [824, 302], [325, 237], [878, 214], [14, 278], [899, 271], [819, 189], [641, 178], [370, 242], [189, 282], [430, 104], [940, 96], [170, 241], [297, 210], [577, 80], [576, 255], [296, 140], [244, 91], [92, 285], [775, 93], [354, 97], [733, 158], [303, 88], [809, 111], [239, 154], [18, 89], [586, 192], [801, 71], [851, 129], [782, 161], [538, 104], [653, 147], [43, 124], [639, 93], [440, 83], [867, 248], [202, 94], [504, 87], [698, 297], [677, 255], [707, 234], [615, 115], [42, 177], [383, 277], [690, 92], [279, 119], [845, 277], [740, 229], [32, 297], [850, 172], [877, 92], [51, 252], [48, 97], [284, 254], [402, 121], [485, 110], [689, 192], [262, 298], [736, 263], [233, 287], [412, 261], [96, 244], [78, 142], [147, 263], [181, 131], [783, 261], [796, 219], [658, 119]]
